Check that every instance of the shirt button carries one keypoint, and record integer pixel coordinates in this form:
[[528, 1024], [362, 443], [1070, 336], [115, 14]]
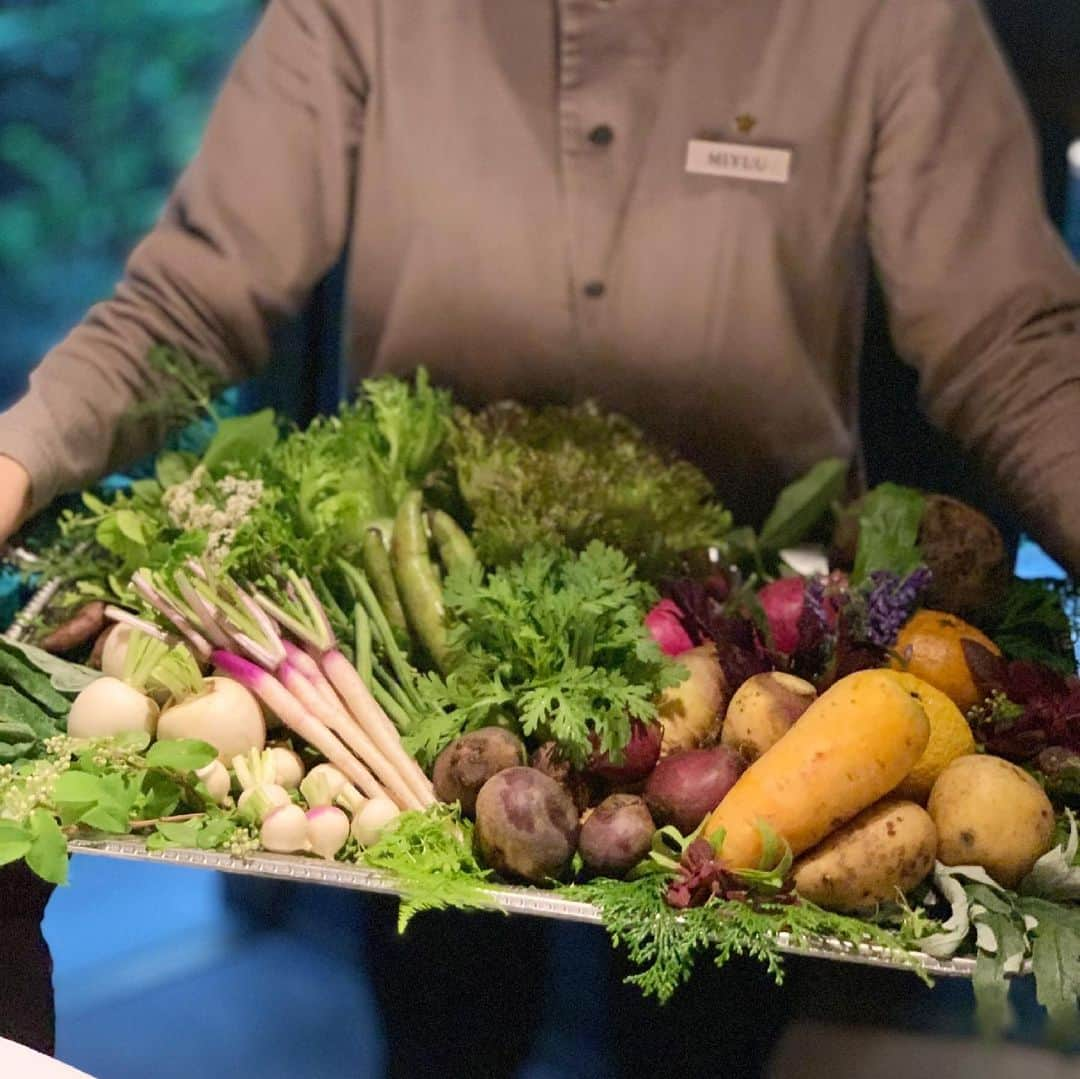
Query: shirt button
[[594, 289], [601, 135]]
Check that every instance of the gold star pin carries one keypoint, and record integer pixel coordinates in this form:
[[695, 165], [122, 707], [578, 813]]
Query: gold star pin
[[746, 123]]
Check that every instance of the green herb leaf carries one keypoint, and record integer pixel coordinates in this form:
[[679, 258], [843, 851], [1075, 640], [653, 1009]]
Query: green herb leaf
[[216, 833], [47, 856], [79, 788], [431, 857], [173, 467], [889, 519], [1055, 961], [240, 441], [802, 504], [176, 834], [15, 841], [181, 754]]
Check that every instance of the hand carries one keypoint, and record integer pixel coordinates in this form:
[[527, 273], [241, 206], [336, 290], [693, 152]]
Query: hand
[[14, 496]]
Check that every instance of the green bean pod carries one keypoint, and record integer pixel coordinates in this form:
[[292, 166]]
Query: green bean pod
[[417, 583], [381, 575], [455, 548]]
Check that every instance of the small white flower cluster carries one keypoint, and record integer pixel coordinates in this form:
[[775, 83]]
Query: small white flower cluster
[[243, 843], [23, 792], [218, 508]]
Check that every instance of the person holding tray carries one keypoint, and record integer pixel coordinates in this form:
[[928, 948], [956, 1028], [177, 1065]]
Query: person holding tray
[[665, 205]]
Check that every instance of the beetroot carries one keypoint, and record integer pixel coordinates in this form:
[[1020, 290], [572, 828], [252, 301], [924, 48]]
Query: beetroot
[[782, 601], [685, 787], [526, 825], [664, 622], [616, 835], [639, 756]]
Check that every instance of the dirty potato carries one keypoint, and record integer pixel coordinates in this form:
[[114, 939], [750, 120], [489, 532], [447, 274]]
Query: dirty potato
[[883, 852], [991, 813]]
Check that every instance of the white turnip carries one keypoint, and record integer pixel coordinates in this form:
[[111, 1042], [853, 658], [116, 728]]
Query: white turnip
[[215, 777], [259, 802], [108, 707], [225, 714], [288, 767], [322, 785], [327, 829], [114, 651], [368, 824], [285, 830]]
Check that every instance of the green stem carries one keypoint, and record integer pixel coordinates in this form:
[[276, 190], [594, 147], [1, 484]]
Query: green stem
[[392, 686], [402, 719], [380, 627], [363, 643]]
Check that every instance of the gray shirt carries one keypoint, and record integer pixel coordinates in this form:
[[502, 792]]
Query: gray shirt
[[509, 179]]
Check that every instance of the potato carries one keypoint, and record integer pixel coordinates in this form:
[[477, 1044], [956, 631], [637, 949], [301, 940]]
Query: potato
[[991, 813], [616, 835], [885, 851], [762, 710], [526, 825], [468, 762], [691, 712]]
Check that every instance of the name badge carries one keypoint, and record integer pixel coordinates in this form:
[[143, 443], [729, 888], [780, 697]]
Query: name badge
[[738, 161]]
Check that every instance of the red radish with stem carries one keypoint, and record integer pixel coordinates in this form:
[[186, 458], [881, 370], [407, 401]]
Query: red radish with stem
[[293, 714]]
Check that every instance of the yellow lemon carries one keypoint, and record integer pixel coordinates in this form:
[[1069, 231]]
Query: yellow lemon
[[950, 737]]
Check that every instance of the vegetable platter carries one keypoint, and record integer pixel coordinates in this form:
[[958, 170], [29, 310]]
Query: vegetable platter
[[521, 659]]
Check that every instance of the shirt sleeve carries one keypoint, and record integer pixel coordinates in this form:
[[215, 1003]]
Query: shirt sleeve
[[984, 299], [258, 217]]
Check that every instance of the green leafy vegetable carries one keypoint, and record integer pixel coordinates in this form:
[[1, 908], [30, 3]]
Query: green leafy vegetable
[[558, 643], [47, 855], [569, 476], [240, 442], [17, 672], [431, 857], [1032, 624], [23, 726], [64, 677], [889, 519], [180, 754], [802, 504], [666, 943]]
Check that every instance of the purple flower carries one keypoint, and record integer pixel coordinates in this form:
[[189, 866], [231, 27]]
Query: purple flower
[[890, 602]]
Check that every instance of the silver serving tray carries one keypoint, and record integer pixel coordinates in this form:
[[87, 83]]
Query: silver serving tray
[[510, 900]]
